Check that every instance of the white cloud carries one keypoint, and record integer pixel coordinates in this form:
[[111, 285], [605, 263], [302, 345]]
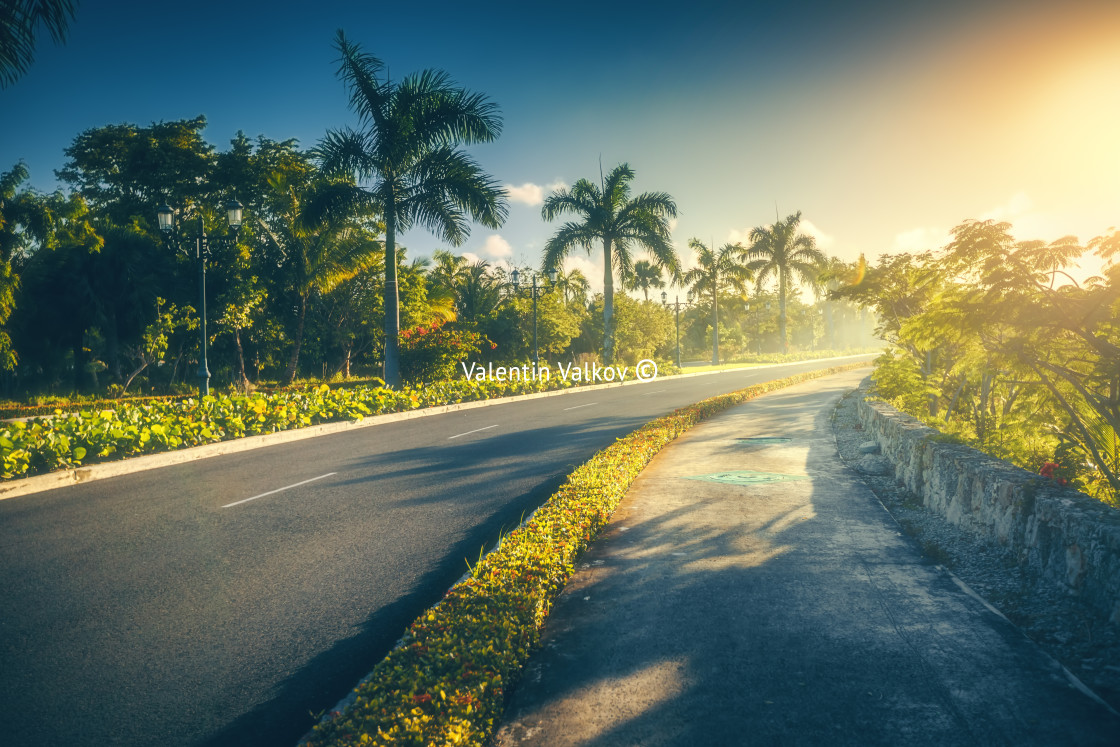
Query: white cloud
[[591, 267], [920, 239], [471, 257], [495, 247], [824, 241], [528, 193], [532, 194], [1018, 205]]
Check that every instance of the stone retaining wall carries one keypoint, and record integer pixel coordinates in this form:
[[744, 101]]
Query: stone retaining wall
[[1058, 534]]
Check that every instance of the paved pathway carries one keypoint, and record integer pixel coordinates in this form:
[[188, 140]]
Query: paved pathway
[[757, 593]]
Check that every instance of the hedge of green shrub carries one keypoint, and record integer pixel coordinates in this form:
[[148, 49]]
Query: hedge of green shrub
[[446, 682], [67, 440]]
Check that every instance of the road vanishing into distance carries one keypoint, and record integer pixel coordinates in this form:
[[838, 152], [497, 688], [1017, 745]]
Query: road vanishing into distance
[[229, 600]]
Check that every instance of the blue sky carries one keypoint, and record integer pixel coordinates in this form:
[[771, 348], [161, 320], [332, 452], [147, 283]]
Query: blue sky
[[885, 123]]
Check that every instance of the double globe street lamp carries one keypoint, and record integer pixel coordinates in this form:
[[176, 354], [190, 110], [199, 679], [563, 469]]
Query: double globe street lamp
[[677, 303], [168, 226], [515, 276]]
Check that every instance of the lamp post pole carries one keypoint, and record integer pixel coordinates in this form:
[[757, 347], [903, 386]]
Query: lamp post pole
[[167, 225], [516, 277], [677, 305]]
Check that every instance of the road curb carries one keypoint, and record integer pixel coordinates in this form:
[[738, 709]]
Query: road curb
[[66, 478]]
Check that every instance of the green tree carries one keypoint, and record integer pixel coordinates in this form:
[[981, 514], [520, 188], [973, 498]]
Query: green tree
[[644, 328], [125, 171], [646, 275], [19, 21], [607, 214], [406, 154], [573, 286], [319, 251], [780, 251], [717, 271]]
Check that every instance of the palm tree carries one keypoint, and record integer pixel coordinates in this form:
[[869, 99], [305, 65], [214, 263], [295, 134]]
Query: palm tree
[[407, 153], [447, 271], [715, 272], [645, 276], [18, 22], [480, 292], [572, 285], [610, 216], [317, 252], [779, 250]]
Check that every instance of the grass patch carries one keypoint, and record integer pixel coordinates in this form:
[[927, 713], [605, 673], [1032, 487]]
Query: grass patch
[[446, 682]]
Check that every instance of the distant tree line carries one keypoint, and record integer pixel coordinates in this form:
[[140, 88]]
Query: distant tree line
[[93, 298]]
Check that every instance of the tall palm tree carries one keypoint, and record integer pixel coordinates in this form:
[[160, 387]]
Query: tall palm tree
[[609, 215], [645, 276], [780, 251], [716, 271], [407, 155]]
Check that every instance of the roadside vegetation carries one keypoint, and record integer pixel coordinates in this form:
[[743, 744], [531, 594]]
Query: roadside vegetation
[[993, 342], [446, 681], [97, 303]]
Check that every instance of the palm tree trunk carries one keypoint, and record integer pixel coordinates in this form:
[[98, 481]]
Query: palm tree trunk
[[293, 364], [392, 370], [715, 322], [782, 282], [243, 384], [608, 304]]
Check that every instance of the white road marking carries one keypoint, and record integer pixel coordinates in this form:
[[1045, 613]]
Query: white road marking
[[286, 487], [659, 391], [579, 406], [476, 430]]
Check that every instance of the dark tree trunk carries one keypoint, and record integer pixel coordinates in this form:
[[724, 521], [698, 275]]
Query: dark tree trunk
[[392, 367], [293, 364]]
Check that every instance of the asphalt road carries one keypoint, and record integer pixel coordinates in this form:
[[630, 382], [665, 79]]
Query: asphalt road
[[194, 605]]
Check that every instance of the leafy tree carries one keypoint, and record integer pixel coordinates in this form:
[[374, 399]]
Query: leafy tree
[[716, 271], [319, 251], [607, 214], [645, 328], [125, 171], [780, 251], [407, 154], [19, 21], [510, 325]]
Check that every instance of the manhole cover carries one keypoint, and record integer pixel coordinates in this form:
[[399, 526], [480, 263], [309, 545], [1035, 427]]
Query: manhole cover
[[746, 478], [761, 440]]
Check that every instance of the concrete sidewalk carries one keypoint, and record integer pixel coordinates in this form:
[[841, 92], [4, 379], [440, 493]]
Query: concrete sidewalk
[[756, 592]]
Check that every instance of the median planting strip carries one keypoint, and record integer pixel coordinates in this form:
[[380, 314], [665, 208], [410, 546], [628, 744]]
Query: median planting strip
[[445, 682], [67, 449]]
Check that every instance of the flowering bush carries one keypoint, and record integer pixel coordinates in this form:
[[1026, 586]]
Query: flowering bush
[[431, 352]]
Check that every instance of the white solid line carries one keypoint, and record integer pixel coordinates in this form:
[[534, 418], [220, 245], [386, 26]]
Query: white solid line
[[476, 430], [287, 487], [579, 406]]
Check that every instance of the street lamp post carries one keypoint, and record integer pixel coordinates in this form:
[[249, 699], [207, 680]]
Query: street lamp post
[[677, 304], [515, 276], [202, 242]]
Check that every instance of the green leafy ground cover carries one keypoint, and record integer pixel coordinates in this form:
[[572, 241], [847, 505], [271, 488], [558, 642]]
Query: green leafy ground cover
[[446, 682], [65, 441], [106, 430]]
